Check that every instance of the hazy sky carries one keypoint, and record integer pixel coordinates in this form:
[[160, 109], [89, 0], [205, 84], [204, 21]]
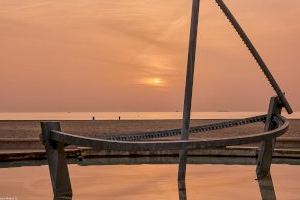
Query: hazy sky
[[130, 55]]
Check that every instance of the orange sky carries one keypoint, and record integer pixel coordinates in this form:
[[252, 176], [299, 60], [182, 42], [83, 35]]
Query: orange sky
[[130, 55]]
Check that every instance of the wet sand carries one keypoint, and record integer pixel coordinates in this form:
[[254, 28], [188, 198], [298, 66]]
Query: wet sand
[[147, 182]]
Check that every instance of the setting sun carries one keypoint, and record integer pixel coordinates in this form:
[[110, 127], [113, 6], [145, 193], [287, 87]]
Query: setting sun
[[157, 82]]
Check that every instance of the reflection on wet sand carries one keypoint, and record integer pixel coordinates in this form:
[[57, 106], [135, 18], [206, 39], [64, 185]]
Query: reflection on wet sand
[[182, 190], [266, 188], [155, 181]]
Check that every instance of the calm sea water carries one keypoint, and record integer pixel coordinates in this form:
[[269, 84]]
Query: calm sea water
[[127, 115]]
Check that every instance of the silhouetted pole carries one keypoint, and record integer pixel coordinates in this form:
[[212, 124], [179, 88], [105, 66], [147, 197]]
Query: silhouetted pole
[[188, 89]]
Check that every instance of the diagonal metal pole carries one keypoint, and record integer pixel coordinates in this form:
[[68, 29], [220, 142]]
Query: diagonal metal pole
[[255, 54], [188, 88]]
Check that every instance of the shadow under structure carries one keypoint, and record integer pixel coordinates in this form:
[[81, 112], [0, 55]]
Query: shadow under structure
[[275, 125]]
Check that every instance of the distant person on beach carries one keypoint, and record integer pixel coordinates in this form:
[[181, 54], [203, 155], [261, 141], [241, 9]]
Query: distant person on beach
[[93, 118], [119, 117]]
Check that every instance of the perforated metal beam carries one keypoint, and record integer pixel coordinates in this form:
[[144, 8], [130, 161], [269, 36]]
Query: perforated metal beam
[[255, 54]]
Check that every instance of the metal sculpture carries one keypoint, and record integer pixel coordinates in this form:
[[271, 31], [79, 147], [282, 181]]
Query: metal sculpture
[[275, 125]]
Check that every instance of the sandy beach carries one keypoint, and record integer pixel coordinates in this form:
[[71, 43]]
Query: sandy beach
[[147, 182], [31, 129]]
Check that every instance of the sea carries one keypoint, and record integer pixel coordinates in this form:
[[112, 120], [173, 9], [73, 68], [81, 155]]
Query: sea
[[129, 115]]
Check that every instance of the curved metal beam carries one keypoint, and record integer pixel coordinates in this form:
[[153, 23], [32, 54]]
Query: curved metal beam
[[67, 138]]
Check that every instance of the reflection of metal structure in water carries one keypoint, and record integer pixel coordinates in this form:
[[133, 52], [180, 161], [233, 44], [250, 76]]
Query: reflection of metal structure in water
[[275, 125], [266, 188], [182, 190]]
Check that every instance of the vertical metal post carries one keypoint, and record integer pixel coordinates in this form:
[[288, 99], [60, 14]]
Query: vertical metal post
[[57, 162], [267, 146], [188, 88]]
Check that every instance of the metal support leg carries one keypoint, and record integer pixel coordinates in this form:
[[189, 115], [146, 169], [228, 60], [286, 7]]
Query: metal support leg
[[188, 89], [267, 146], [57, 162]]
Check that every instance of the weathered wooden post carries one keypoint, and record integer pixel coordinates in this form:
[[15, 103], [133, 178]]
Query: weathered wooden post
[[57, 162], [188, 90], [267, 146]]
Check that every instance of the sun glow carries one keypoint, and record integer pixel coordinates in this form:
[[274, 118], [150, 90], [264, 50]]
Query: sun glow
[[157, 82]]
